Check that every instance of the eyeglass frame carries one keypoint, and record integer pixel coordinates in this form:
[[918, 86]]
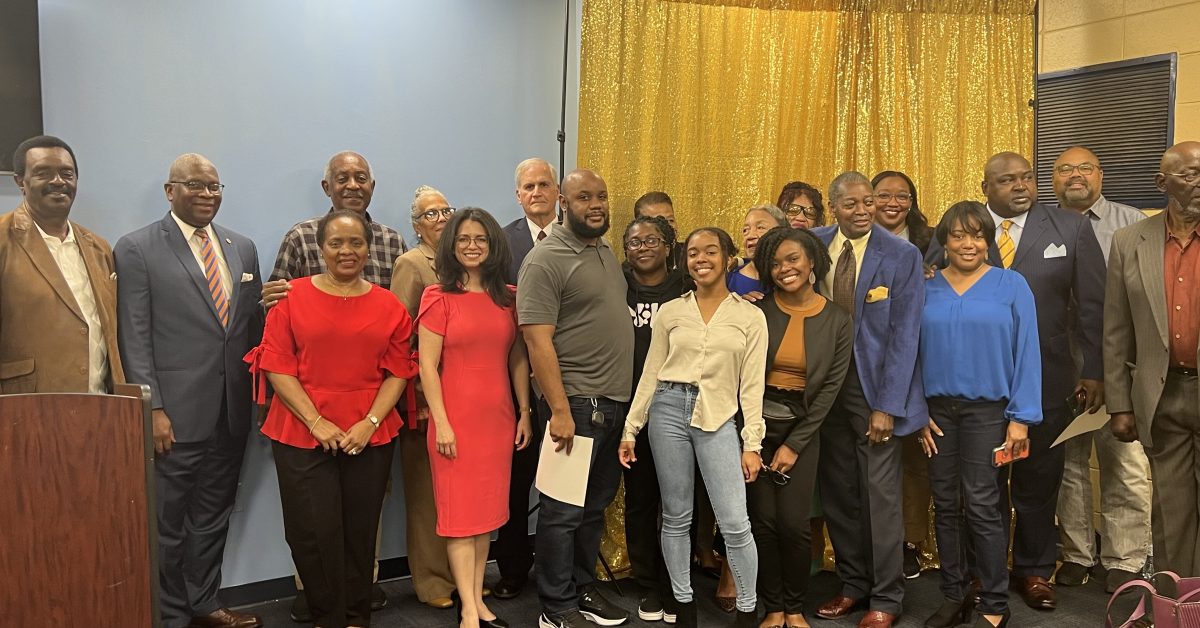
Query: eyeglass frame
[[1188, 177], [445, 212], [644, 243], [1070, 168], [466, 240], [884, 198], [776, 476], [809, 212], [198, 186]]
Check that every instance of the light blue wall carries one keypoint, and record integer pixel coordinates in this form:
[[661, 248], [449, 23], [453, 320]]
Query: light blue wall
[[450, 93]]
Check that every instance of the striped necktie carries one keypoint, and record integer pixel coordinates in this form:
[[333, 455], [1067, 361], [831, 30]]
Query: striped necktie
[[1005, 243], [212, 272]]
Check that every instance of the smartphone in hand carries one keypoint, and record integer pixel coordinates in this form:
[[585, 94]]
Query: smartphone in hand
[[1001, 457]]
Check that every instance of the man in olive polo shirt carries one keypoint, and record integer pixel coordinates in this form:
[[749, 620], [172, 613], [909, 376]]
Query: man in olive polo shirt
[[571, 304]]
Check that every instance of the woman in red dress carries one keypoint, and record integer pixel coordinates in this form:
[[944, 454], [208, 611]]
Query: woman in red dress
[[336, 351], [471, 356]]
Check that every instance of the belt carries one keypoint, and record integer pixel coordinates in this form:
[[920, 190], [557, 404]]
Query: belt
[[1182, 370]]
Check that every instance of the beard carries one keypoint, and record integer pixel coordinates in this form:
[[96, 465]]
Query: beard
[[581, 229]]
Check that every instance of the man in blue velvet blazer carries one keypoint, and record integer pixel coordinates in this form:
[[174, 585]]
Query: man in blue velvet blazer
[[1057, 252], [878, 277]]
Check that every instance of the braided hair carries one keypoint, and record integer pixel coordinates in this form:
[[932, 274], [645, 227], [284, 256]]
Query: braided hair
[[814, 249], [664, 229]]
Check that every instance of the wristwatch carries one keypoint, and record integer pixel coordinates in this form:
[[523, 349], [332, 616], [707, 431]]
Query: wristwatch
[[374, 420]]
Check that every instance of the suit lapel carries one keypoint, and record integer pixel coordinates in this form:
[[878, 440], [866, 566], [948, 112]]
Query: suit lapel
[[30, 239], [1150, 252], [871, 259], [1031, 234], [233, 260], [183, 252]]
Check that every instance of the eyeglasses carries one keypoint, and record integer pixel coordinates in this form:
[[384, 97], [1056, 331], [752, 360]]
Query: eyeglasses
[[433, 214], [479, 241], [886, 197], [198, 186], [1084, 169], [794, 210], [778, 477], [650, 242], [1188, 177]]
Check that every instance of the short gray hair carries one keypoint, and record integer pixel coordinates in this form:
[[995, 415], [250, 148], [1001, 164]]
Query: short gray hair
[[347, 153], [424, 190], [531, 162], [774, 211], [837, 187]]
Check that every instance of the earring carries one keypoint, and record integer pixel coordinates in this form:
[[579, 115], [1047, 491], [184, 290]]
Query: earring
[[812, 277]]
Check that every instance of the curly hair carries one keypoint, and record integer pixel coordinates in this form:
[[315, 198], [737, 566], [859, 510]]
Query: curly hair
[[814, 249], [794, 189], [664, 229]]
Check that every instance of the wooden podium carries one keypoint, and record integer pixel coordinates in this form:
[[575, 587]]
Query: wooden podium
[[78, 534]]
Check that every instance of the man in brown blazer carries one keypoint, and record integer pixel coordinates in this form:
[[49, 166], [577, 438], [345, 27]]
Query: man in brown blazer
[[58, 325], [1151, 350]]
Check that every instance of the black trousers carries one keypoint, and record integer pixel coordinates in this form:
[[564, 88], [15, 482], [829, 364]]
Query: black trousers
[[331, 506], [861, 494], [195, 486], [1034, 497], [779, 519], [513, 550], [966, 499], [643, 506]]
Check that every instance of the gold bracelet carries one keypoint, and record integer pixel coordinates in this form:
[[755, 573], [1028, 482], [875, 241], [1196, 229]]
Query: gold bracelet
[[314, 424]]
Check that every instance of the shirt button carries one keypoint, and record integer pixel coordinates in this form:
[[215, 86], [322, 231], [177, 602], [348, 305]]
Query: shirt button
[[1181, 280], [1177, 336], [1178, 307]]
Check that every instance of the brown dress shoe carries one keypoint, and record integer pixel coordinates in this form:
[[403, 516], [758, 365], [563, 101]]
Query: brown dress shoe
[[877, 619], [839, 606], [225, 618], [1037, 592], [440, 602]]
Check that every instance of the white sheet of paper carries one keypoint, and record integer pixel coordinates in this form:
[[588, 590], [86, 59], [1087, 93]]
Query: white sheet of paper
[[564, 477], [1084, 423]]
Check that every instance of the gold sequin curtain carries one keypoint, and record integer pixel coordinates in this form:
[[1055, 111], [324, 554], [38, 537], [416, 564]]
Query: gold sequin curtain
[[719, 103]]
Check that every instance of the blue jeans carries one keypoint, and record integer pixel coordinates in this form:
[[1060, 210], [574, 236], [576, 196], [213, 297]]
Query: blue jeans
[[678, 449], [568, 536]]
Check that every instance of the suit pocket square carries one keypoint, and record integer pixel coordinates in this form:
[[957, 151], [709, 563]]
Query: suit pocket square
[[877, 293], [247, 277], [1055, 250], [112, 277]]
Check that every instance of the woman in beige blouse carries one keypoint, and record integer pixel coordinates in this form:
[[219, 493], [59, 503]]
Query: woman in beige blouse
[[713, 338], [411, 273]]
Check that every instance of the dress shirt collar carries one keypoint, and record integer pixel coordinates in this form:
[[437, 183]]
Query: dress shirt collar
[[573, 241], [366, 214], [534, 230], [189, 231], [1099, 209], [1018, 220], [1167, 225], [690, 295], [49, 239]]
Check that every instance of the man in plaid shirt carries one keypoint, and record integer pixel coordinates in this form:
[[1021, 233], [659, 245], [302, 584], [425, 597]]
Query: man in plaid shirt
[[348, 183]]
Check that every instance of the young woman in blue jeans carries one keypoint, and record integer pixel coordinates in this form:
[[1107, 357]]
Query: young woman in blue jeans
[[714, 338]]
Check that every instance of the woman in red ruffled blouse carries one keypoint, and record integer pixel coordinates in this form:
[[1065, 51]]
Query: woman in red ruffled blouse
[[336, 352]]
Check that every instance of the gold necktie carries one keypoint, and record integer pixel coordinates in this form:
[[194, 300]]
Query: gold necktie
[[1007, 249]]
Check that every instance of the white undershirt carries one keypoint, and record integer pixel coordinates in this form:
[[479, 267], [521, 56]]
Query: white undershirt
[[70, 262]]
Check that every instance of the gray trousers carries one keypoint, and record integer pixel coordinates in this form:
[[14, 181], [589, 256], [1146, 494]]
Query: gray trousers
[[1175, 461]]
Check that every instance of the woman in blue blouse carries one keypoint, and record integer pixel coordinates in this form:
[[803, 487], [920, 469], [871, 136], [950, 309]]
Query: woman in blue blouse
[[982, 370]]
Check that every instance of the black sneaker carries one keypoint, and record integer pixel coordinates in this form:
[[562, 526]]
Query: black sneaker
[[650, 608], [1071, 575], [600, 611], [912, 561], [670, 609], [379, 599], [300, 613], [574, 619]]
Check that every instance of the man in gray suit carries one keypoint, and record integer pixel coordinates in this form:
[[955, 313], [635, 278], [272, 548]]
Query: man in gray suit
[[187, 308], [1151, 349]]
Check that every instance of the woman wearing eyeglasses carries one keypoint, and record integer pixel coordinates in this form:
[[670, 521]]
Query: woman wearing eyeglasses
[[897, 211], [707, 353], [802, 204], [649, 244], [412, 272], [471, 357], [809, 343]]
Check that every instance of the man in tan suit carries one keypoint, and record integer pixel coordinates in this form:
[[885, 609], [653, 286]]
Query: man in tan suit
[[58, 329], [1151, 350]]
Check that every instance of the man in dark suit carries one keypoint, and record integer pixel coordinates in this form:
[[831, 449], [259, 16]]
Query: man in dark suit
[[877, 278], [537, 192], [188, 311], [1057, 252], [1152, 347]]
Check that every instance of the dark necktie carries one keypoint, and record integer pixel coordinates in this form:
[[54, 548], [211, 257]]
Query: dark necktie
[[541, 236], [843, 279]]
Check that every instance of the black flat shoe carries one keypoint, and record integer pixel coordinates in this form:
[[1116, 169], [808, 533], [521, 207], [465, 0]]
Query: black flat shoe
[[454, 597], [951, 614], [493, 623]]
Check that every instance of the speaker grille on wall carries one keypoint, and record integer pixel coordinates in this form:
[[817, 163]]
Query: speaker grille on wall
[[1124, 112], [20, 77]]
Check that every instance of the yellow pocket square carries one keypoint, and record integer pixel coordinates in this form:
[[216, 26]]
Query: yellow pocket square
[[878, 293]]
